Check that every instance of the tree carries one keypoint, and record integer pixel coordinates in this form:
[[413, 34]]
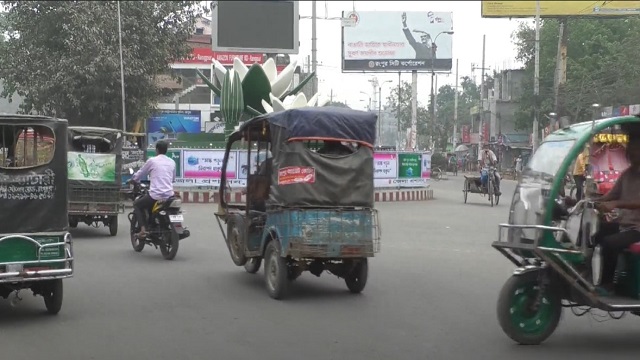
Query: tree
[[63, 56], [602, 66], [404, 105], [468, 97]]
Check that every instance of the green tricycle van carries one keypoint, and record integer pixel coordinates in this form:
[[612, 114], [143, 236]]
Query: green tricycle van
[[551, 239], [35, 247]]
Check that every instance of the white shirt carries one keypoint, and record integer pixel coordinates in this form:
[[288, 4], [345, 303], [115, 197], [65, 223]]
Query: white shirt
[[485, 155], [162, 173]]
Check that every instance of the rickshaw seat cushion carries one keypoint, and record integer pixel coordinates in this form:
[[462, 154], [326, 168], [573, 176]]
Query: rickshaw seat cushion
[[634, 248]]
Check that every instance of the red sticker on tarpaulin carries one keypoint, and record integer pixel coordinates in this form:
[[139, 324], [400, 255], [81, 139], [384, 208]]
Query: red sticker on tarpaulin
[[296, 175]]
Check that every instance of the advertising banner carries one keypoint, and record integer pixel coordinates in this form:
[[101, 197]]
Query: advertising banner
[[409, 166], [398, 41], [466, 134], [214, 127], [91, 166], [426, 166], [132, 158], [385, 165], [513, 9], [634, 109], [167, 123], [198, 164]]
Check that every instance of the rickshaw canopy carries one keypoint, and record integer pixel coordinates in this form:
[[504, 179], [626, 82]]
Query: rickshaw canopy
[[320, 123]]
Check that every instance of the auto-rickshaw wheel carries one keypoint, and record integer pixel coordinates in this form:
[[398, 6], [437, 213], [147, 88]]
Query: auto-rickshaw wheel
[[73, 223], [253, 265], [53, 296], [276, 274], [356, 280], [235, 239], [113, 225], [520, 317]]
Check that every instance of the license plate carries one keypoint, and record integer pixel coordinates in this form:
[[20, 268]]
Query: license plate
[[176, 218], [14, 268]]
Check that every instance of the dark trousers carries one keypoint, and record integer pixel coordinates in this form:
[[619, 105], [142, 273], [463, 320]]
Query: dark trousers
[[141, 208], [579, 179], [613, 242]]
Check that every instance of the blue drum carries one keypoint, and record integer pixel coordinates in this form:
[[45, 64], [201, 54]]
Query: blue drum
[[484, 176]]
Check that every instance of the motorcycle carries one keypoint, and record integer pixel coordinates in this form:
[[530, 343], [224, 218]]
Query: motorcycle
[[165, 224]]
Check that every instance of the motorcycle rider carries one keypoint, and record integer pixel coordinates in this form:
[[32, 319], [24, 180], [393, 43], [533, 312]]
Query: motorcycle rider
[[162, 172], [487, 158]]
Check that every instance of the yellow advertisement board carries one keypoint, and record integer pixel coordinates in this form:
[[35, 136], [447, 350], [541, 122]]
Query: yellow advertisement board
[[509, 9]]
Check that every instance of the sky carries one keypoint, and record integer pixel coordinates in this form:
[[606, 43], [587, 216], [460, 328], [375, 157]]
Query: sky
[[468, 27]]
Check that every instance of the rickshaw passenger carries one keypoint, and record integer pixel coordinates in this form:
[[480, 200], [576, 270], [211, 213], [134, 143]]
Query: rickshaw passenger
[[488, 158], [625, 196]]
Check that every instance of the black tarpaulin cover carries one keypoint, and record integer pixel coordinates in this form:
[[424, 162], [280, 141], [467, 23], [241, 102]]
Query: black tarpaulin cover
[[327, 123], [102, 166], [34, 199]]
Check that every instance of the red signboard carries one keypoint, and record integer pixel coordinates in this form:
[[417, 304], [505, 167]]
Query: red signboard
[[206, 56], [485, 131], [296, 175], [466, 134], [624, 110]]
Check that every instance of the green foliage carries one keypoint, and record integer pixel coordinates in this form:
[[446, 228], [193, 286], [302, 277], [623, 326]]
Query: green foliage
[[602, 66], [63, 56], [468, 97], [404, 107]]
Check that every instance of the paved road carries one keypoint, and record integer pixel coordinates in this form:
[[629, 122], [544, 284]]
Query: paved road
[[431, 295]]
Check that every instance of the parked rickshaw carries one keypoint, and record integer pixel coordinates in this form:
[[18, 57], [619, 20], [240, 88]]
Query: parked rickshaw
[[95, 167], [551, 240], [483, 184], [35, 247], [310, 205]]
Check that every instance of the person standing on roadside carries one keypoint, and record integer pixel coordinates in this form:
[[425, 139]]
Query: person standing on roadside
[[579, 172]]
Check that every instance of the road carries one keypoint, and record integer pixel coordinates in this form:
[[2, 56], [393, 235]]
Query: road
[[431, 295]]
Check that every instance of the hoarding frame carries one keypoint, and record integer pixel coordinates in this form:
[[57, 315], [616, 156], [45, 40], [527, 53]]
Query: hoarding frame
[[296, 34], [427, 70], [633, 6]]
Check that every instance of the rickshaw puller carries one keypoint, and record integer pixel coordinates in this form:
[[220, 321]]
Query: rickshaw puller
[[488, 158], [162, 172], [625, 196]]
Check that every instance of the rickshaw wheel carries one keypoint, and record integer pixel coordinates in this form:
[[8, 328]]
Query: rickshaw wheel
[[275, 271], [235, 241], [490, 191], [517, 318], [356, 280], [170, 244], [253, 265], [136, 243], [53, 297], [466, 190], [113, 225]]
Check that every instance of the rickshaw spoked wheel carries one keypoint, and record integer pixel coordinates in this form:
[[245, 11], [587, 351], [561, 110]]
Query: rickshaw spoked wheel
[[136, 243], [523, 318], [53, 296], [356, 280], [467, 186], [276, 272], [253, 265]]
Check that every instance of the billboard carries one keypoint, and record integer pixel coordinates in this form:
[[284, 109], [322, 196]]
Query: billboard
[[379, 41], [269, 27], [511, 9], [91, 166], [167, 123]]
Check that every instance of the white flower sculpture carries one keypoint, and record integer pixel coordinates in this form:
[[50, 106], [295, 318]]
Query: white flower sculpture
[[280, 83]]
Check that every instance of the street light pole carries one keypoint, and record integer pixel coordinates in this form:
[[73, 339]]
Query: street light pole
[[124, 116]]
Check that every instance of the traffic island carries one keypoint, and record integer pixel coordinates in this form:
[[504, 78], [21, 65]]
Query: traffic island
[[382, 195]]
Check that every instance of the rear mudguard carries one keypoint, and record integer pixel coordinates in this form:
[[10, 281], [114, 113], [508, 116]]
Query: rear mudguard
[[526, 269]]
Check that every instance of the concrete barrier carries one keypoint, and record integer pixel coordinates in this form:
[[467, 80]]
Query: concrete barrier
[[212, 197]]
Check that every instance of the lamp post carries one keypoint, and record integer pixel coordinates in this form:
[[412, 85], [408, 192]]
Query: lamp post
[[124, 116], [380, 107], [433, 73]]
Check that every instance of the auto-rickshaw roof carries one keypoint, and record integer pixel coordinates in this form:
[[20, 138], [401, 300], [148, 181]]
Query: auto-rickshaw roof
[[9, 118], [577, 131], [321, 123], [92, 130]]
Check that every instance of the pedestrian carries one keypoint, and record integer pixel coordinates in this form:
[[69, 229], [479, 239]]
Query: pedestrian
[[579, 171], [519, 166]]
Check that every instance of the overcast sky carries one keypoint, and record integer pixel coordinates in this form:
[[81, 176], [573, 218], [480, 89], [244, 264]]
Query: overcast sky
[[468, 26]]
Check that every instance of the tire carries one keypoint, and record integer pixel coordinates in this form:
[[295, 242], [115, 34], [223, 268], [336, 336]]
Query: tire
[[252, 265], [53, 296], [113, 225], [235, 239], [356, 280], [276, 274], [466, 190], [170, 244], [521, 324], [490, 191], [136, 243], [73, 223]]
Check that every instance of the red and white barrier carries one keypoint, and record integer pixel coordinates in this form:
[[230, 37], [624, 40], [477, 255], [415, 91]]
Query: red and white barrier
[[213, 197]]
